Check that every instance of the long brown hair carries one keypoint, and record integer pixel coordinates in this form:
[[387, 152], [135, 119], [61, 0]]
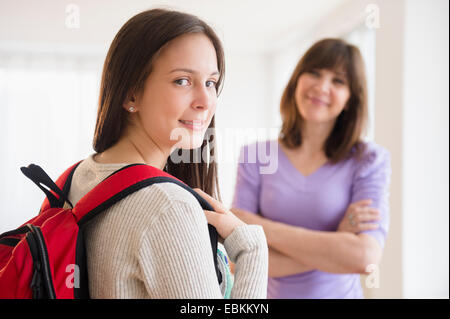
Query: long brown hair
[[331, 54], [127, 66]]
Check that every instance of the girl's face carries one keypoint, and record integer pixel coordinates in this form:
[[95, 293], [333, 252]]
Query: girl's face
[[179, 97], [321, 95]]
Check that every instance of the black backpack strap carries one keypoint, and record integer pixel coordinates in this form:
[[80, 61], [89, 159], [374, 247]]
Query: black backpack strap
[[41, 179], [56, 192]]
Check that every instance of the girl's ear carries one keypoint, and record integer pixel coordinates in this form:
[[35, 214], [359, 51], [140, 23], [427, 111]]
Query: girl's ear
[[130, 104]]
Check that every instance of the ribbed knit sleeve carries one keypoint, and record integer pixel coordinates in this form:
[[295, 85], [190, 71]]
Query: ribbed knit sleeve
[[176, 258], [175, 255], [247, 247]]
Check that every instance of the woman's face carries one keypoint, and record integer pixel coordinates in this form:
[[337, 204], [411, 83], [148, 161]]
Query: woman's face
[[179, 97], [321, 95]]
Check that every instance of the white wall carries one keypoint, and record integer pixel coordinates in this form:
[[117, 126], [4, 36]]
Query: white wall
[[48, 115], [425, 149]]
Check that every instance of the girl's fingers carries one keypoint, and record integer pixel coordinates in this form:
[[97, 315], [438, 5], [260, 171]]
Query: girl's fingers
[[211, 217], [216, 205], [224, 223]]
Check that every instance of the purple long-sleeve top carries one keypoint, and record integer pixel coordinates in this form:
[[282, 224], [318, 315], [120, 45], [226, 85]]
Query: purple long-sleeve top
[[268, 183]]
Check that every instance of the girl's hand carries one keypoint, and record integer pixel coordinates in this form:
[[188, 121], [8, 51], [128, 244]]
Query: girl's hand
[[358, 216], [223, 219]]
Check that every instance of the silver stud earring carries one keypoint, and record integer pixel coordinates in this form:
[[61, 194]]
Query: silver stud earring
[[132, 109]]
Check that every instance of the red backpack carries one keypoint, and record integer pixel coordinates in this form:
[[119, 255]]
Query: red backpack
[[46, 256]]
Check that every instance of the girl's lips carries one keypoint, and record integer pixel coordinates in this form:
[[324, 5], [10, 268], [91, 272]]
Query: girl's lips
[[193, 125]]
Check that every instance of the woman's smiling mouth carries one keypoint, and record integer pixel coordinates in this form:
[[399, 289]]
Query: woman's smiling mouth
[[196, 125], [317, 101]]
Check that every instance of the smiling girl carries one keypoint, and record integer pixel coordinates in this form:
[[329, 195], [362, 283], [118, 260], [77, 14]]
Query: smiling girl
[[325, 210], [162, 74]]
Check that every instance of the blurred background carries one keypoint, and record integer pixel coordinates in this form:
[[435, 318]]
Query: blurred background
[[52, 53]]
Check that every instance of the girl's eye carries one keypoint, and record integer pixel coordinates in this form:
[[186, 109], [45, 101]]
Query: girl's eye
[[210, 84], [314, 72], [182, 82], [339, 81]]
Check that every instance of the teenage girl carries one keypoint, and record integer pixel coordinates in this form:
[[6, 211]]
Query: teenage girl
[[161, 79]]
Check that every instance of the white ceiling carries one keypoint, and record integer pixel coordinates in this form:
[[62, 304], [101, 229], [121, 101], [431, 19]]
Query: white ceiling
[[243, 25]]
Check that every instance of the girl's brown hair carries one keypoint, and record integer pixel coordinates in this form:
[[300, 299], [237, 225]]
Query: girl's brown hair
[[331, 54], [127, 66]]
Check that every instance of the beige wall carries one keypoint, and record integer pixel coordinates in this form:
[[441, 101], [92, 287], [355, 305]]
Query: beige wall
[[388, 132]]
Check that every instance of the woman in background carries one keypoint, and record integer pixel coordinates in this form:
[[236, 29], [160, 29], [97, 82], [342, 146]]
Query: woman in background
[[325, 209]]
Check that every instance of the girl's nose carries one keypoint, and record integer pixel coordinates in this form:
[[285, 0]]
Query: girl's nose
[[204, 98]]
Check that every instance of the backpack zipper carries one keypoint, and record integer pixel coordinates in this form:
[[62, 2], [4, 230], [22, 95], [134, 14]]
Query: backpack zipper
[[44, 262]]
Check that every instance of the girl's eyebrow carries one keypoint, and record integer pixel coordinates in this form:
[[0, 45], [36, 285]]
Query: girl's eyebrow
[[191, 71]]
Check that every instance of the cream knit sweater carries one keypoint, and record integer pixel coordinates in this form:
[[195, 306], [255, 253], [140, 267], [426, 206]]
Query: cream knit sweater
[[155, 244]]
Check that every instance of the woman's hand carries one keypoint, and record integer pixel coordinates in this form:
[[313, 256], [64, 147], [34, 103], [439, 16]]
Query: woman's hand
[[223, 219], [358, 216]]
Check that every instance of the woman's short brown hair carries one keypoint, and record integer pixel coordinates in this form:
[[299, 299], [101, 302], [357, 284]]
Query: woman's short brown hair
[[331, 54]]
